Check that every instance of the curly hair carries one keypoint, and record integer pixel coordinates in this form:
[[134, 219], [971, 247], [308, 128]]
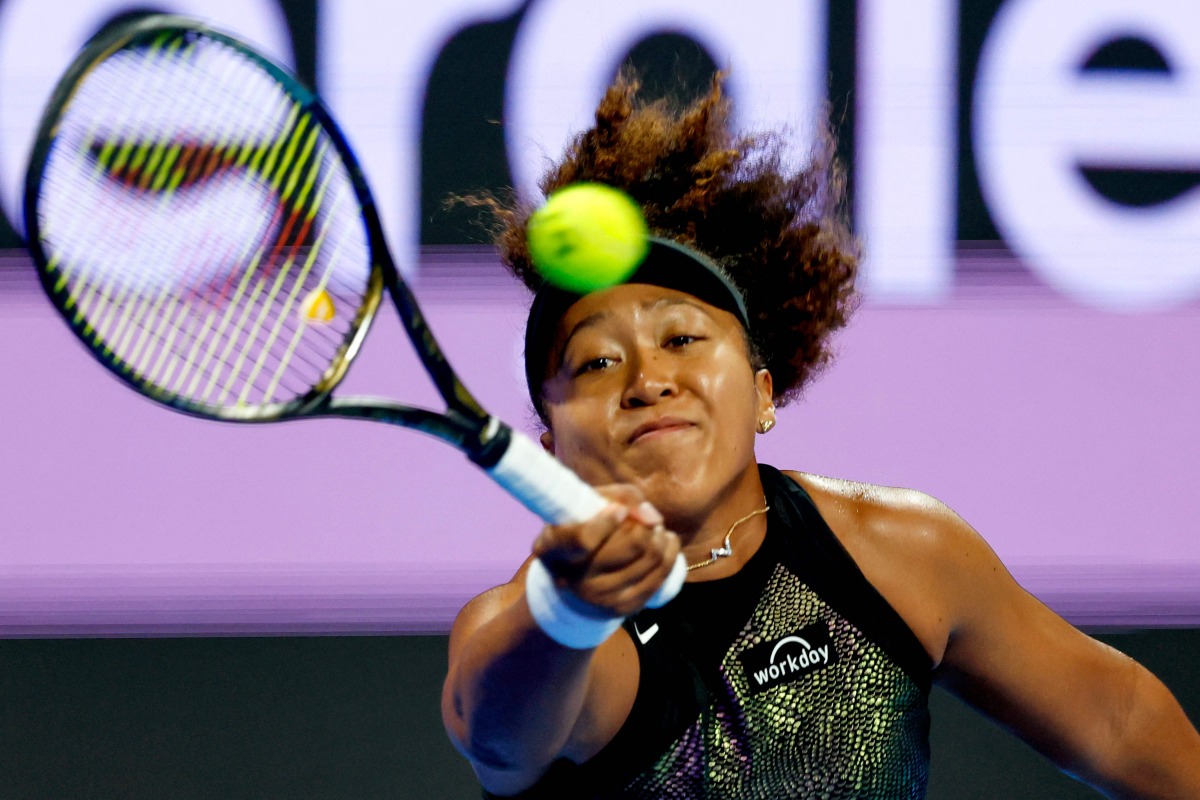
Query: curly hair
[[780, 233]]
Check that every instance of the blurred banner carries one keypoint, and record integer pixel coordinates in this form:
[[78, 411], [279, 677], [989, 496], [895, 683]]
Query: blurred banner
[[1024, 175]]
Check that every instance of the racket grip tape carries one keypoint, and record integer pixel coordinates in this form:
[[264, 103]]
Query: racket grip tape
[[557, 495]]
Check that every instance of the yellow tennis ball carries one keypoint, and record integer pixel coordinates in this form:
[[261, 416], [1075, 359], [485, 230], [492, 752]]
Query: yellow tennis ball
[[588, 236]]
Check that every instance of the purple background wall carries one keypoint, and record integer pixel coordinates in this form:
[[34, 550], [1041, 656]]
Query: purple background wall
[[1067, 436]]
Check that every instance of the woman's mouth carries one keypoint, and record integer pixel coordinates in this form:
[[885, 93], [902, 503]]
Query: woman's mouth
[[659, 428]]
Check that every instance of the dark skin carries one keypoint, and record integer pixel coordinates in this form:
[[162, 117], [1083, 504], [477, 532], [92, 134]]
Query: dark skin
[[657, 403]]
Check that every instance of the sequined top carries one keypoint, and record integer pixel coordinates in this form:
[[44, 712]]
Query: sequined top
[[793, 678]]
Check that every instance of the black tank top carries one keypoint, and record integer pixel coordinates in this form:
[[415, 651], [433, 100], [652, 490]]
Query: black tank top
[[792, 678]]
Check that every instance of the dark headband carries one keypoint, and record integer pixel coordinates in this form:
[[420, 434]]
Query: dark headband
[[667, 264]]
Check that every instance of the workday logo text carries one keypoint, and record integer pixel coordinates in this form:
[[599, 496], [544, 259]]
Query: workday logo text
[[788, 658]]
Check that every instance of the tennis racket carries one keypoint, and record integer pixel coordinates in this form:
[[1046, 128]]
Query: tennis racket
[[203, 227]]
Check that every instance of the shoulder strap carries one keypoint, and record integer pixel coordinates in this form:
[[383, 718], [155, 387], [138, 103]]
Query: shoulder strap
[[813, 552]]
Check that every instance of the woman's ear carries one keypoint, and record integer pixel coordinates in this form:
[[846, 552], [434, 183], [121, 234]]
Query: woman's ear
[[547, 440], [764, 387]]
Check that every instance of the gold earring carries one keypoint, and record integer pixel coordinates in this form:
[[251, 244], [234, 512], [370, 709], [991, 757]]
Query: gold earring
[[766, 425]]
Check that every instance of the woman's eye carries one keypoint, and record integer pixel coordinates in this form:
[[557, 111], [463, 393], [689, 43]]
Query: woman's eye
[[682, 340], [594, 365]]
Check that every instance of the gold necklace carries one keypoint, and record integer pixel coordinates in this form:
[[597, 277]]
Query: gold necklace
[[725, 549]]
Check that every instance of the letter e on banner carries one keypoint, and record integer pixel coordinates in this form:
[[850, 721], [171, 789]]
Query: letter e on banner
[[1040, 118]]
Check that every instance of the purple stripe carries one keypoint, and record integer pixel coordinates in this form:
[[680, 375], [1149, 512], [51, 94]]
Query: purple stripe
[[1067, 436]]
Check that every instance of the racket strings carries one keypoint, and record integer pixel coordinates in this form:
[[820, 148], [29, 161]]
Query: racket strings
[[155, 332], [202, 228]]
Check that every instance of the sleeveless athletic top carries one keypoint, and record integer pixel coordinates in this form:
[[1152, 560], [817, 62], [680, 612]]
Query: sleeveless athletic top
[[792, 678]]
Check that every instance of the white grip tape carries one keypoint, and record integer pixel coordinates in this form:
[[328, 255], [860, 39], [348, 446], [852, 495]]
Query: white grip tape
[[543, 484], [558, 495]]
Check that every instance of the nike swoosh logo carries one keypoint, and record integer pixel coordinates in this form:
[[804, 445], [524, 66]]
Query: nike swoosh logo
[[648, 635]]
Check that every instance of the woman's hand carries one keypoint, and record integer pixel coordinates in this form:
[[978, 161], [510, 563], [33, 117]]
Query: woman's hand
[[614, 562]]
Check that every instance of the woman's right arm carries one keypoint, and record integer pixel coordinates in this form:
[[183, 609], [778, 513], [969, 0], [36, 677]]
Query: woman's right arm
[[515, 700]]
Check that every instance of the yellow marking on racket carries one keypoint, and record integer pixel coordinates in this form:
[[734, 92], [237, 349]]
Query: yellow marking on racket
[[277, 284], [298, 335], [165, 295], [251, 268], [285, 312], [139, 157], [165, 165], [105, 161], [272, 153], [251, 265], [244, 155], [164, 367], [181, 306], [162, 176], [239, 294], [103, 158], [284, 315], [121, 157], [176, 176], [287, 163], [306, 187], [141, 154], [258, 325], [239, 326], [318, 306]]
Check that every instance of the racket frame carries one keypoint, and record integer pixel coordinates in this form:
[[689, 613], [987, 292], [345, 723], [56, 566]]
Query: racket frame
[[465, 423], [516, 462]]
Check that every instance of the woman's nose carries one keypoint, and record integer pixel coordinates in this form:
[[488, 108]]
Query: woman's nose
[[651, 380]]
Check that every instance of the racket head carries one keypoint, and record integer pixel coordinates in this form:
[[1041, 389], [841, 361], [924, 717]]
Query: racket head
[[201, 223]]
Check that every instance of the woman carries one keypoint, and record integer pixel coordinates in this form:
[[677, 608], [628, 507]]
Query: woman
[[797, 660]]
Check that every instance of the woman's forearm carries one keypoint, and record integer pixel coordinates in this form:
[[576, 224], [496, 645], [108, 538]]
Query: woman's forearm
[[514, 695], [1156, 751]]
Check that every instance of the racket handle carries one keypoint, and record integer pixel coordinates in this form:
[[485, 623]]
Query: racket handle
[[558, 495]]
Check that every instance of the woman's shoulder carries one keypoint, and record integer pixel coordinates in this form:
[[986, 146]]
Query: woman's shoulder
[[912, 547], [888, 517], [869, 507]]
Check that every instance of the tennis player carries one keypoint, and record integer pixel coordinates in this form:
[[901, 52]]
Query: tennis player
[[798, 658]]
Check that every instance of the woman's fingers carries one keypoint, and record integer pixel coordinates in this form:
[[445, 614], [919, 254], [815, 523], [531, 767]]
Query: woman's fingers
[[627, 581], [616, 560], [566, 548]]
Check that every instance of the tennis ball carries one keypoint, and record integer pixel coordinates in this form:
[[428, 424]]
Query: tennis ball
[[587, 236]]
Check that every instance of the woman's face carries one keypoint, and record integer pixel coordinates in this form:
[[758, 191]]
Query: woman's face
[[655, 388]]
